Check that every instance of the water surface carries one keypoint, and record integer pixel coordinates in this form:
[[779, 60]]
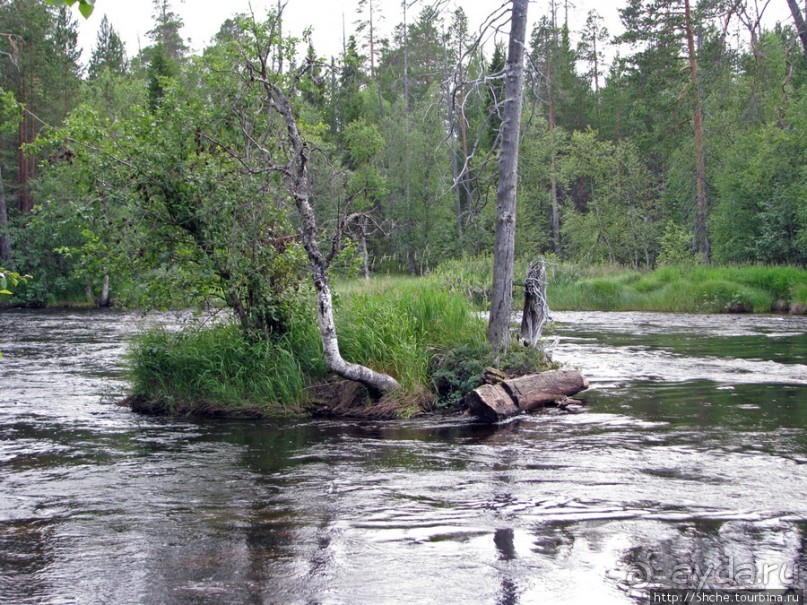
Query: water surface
[[686, 470]]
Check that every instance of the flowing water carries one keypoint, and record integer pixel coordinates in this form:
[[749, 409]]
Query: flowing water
[[687, 470]]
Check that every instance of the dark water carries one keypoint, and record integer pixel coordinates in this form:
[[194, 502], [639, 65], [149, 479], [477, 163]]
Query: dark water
[[687, 470]]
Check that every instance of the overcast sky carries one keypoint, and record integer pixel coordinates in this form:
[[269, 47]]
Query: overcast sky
[[202, 18]]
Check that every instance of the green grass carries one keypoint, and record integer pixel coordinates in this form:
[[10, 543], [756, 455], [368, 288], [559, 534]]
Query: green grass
[[214, 369], [677, 289], [431, 340], [397, 325]]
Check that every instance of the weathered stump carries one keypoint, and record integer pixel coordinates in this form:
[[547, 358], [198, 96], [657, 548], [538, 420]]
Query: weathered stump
[[536, 309], [492, 403]]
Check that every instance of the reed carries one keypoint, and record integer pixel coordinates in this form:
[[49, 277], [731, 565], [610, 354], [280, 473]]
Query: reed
[[214, 369]]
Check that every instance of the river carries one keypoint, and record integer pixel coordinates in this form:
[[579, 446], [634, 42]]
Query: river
[[686, 470]]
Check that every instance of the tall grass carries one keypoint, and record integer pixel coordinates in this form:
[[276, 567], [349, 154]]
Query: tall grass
[[690, 289], [215, 369], [398, 326]]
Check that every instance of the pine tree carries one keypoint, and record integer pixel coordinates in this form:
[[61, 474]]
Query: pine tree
[[109, 52], [166, 32]]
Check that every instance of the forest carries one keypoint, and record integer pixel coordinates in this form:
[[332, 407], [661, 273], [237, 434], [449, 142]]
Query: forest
[[170, 178]]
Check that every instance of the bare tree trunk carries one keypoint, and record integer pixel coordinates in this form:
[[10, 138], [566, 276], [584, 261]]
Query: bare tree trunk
[[5, 242], [798, 20], [279, 57], [701, 230], [453, 139], [553, 190], [376, 382], [295, 177], [406, 59], [22, 160], [596, 70], [103, 300], [455, 170], [372, 45], [553, 185], [365, 256], [501, 306], [410, 261], [466, 162]]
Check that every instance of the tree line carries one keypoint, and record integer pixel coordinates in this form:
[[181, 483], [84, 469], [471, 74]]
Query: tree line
[[683, 140]]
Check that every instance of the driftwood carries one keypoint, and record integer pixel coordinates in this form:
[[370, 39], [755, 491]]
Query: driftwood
[[494, 402]]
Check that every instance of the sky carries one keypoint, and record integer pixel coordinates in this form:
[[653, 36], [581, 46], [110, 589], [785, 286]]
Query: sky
[[202, 18]]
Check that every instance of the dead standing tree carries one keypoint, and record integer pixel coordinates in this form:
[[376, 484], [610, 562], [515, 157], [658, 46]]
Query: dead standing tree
[[501, 303], [536, 308], [286, 154]]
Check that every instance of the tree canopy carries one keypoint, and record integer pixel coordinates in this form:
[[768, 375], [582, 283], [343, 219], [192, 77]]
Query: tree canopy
[[683, 139]]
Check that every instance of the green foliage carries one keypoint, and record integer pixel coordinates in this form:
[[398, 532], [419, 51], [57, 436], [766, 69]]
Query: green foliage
[[216, 370], [459, 370], [413, 329], [472, 277], [85, 7], [675, 246], [412, 142], [759, 214], [615, 217], [10, 114], [10, 279], [684, 288], [109, 52], [185, 217]]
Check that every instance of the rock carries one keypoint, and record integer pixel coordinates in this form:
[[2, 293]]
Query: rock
[[740, 306], [780, 306], [798, 308]]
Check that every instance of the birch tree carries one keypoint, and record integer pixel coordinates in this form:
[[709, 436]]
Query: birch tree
[[283, 150]]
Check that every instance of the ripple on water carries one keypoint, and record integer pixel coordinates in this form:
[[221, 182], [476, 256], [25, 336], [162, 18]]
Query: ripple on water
[[102, 506]]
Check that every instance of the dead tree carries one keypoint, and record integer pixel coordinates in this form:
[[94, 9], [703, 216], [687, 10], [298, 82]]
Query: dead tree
[[495, 402], [536, 308], [5, 245], [799, 22], [501, 304]]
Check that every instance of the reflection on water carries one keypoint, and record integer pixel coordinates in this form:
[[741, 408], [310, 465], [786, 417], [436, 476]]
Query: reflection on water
[[687, 470]]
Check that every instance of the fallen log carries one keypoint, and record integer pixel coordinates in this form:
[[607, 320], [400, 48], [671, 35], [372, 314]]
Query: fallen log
[[492, 403]]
